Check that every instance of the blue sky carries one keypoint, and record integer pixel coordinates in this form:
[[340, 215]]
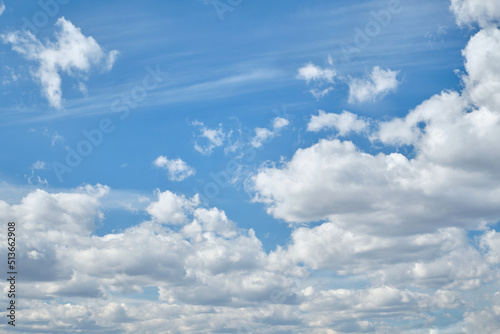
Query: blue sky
[[244, 140]]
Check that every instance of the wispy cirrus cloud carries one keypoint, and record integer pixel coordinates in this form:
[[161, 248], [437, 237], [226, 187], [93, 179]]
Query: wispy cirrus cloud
[[177, 169]]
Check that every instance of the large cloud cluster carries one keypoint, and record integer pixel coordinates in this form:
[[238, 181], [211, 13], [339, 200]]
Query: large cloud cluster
[[201, 272]]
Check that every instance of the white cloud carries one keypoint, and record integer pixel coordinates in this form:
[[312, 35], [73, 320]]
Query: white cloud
[[177, 169], [483, 12], [378, 84], [280, 122], [264, 134], [261, 135], [311, 72], [171, 208], [214, 137], [400, 222], [2, 7], [482, 63], [344, 123], [455, 148], [211, 276], [72, 53], [392, 256], [319, 76]]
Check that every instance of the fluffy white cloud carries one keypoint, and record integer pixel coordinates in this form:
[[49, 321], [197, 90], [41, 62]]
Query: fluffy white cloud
[[482, 63], [177, 169], [311, 72], [455, 147], [171, 208], [378, 84], [263, 134], [2, 7], [72, 53], [482, 12], [344, 123], [393, 256], [280, 122], [319, 76], [210, 275], [401, 221]]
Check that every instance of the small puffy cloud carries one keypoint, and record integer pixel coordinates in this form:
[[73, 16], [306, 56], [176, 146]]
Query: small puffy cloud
[[311, 72], [263, 134], [280, 122], [344, 123], [2, 7], [71, 53], [378, 84], [483, 12], [319, 76], [213, 138], [171, 208], [177, 169]]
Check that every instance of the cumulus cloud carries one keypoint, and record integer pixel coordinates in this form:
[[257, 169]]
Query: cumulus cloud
[[263, 134], [455, 147], [171, 208], [177, 169], [378, 84], [344, 123], [392, 253], [482, 63], [311, 72], [400, 221], [212, 276], [71, 53], [483, 12], [2, 7]]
